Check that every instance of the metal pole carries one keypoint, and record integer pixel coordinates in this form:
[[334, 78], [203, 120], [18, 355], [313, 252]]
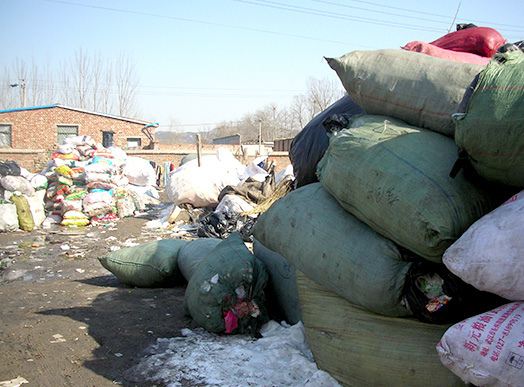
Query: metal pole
[[199, 149], [23, 92], [259, 137]]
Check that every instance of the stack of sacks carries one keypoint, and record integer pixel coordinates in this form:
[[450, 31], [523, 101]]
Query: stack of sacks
[[487, 349], [389, 209], [466, 45], [90, 183], [22, 204]]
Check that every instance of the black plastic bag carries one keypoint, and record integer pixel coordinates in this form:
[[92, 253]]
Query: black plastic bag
[[10, 168], [310, 144], [437, 296], [223, 224]]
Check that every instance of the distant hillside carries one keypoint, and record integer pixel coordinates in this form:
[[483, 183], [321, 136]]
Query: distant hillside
[[167, 137]]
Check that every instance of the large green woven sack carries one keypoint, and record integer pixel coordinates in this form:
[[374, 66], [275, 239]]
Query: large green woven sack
[[193, 253], [317, 236], [281, 290], [420, 89], [395, 178], [360, 348], [491, 130], [228, 278], [149, 264]]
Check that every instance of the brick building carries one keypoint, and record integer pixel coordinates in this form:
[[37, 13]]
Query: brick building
[[31, 135], [43, 127]]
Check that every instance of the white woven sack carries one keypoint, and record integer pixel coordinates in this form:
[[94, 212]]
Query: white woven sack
[[487, 349], [199, 186], [8, 217], [233, 204], [489, 254], [139, 171]]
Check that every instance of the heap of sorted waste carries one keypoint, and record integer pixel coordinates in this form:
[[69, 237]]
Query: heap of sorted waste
[[83, 183]]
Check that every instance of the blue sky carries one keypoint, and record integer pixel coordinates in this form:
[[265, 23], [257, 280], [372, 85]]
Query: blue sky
[[201, 62]]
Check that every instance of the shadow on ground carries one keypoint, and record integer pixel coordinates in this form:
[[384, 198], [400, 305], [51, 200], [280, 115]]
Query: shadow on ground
[[125, 322]]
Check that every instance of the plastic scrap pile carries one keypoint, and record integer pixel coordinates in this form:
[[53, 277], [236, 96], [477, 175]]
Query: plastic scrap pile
[[83, 183], [400, 248], [406, 261], [225, 281], [227, 190]]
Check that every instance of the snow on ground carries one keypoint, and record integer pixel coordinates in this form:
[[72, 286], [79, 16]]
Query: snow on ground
[[280, 358]]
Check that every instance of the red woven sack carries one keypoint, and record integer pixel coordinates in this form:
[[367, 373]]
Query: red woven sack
[[455, 56], [482, 41]]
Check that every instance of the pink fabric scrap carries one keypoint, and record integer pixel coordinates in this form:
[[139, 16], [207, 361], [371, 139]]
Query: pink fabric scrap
[[231, 321]]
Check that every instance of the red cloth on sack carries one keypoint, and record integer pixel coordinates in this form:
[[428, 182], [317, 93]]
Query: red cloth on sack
[[483, 41], [455, 56]]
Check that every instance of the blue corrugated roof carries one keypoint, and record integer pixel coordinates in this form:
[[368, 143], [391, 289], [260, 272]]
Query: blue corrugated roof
[[79, 110], [28, 108]]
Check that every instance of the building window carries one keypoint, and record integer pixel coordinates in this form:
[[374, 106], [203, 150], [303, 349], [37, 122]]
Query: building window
[[107, 139], [64, 131], [134, 142], [5, 135]]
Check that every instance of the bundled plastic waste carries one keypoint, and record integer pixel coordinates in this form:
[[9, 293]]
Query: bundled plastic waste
[[22, 198], [82, 183]]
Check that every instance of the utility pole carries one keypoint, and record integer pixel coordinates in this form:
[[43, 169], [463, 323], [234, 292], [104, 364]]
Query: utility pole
[[22, 86], [260, 137]]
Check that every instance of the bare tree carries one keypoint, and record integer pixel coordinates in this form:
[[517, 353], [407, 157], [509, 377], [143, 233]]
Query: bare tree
[[274, 122], [321, 93], [96, 82], [80, 79], [85, 81], [127, 84]]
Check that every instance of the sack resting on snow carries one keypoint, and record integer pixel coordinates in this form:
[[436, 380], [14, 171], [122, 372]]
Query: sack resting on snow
[[226, 291], [281, 291], [362, 348]]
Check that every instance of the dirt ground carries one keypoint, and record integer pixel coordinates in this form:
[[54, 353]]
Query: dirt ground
[[67, 321]]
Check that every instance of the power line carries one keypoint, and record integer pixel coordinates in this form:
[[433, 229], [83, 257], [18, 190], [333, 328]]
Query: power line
[[380, 5], [174, 91], [334, 15], [204, 22], [518, 28]]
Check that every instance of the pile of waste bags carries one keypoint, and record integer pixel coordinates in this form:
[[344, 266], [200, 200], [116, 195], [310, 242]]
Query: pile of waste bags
[[227, 191], [22, 199], [402, 233], [225, 281], [82, 183]]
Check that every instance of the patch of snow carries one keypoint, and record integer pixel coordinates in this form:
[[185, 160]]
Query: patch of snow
[[280, 358]]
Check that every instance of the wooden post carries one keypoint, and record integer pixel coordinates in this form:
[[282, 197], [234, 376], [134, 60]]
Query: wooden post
[[199, 149]]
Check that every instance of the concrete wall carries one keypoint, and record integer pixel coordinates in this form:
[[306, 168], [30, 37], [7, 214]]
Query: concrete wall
[[34, 160]]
